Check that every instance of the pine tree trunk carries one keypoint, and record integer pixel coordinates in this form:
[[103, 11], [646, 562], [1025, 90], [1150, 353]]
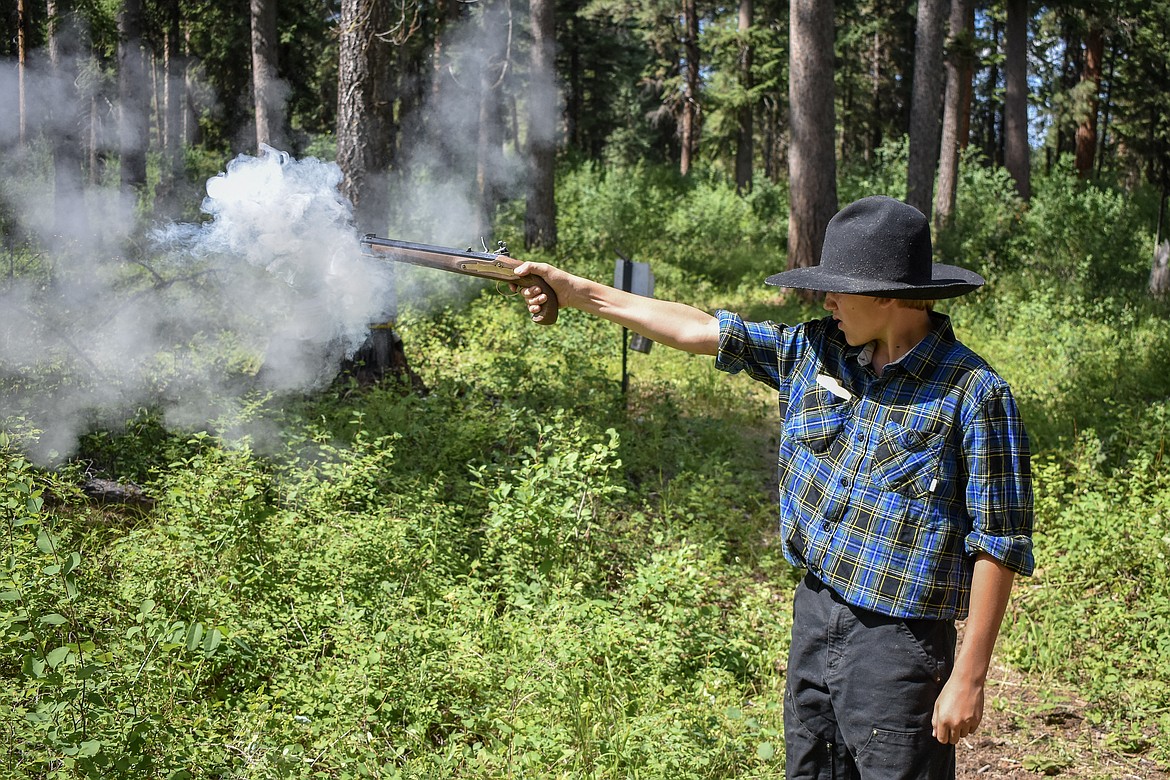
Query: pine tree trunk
[[1086, 137], [365, 128], [173, 97], [489, 138], [957, 68], [689, 125], [540, 219], [967, 79], [925, 105], [812, 165], [267, 90], [575, 99], [191, 130], [21, 69], [989, 131], [874, 137], [1015, 110], [133, 99], [744, 130], [66, 122], [364, 107]]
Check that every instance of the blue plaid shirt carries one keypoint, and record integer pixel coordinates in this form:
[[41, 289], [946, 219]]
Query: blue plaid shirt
[[890, 485]]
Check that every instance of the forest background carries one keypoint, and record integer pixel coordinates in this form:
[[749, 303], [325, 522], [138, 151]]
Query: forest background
[[272, 509]]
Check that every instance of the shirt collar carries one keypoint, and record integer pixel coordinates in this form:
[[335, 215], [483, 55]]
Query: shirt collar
[[925, 355]]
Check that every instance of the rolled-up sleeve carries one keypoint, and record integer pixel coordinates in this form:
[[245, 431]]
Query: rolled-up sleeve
[[999, 483], [749, 346]]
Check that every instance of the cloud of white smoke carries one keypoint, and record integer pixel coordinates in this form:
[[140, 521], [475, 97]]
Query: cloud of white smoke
[[271, 292]]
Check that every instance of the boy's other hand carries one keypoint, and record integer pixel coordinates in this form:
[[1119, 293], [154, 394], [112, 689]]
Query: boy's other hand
[[958, 710]]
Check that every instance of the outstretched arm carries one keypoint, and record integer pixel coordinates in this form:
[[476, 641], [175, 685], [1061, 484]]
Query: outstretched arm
[[959, 708], [673, 324]]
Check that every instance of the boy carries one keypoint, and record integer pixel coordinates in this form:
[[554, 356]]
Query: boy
[[905, 490]]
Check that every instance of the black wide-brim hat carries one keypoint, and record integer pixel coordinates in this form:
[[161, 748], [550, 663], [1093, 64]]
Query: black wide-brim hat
[[880, 246]]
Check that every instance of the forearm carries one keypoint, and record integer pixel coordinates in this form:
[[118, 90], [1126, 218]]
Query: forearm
[[673, 324], [959, 708], [991, 585], [667, 322]]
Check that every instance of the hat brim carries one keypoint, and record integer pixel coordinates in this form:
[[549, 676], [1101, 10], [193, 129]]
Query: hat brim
[[947, 281]]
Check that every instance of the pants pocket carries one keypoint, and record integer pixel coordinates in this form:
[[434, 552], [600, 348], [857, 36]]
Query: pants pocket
[[905, 755]]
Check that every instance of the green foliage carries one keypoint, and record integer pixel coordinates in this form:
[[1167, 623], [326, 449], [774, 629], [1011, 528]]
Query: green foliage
[[522, 571], [985, 220], [1088, 240], [885, 175], [698, 224], [1097, 615]]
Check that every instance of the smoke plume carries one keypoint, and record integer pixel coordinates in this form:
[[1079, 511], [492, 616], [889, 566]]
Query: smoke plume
[[267, 291]]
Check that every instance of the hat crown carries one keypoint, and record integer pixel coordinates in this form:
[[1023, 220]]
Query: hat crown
[[879, 239], [880, 246]]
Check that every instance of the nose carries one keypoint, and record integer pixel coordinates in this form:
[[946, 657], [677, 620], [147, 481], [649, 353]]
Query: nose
[[830, 303]]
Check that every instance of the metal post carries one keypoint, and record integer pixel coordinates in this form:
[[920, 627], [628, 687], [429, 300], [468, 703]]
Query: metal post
[[627, 280]]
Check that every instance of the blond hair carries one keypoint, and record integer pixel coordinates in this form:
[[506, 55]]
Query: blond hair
[[912, 303]]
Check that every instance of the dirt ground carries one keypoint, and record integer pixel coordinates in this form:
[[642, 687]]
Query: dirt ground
[[1029, 733]]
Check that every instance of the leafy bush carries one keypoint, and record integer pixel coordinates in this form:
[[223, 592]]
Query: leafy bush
[[698, 224], [1085, 240], [524, 571], [985, 220], [1097, 615]]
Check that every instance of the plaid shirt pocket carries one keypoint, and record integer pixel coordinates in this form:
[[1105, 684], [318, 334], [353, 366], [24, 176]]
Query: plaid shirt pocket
[[907, 460], [817, 421]]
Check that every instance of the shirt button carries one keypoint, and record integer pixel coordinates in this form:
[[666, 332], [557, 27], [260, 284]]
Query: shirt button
[[827, 525], [844, 482]]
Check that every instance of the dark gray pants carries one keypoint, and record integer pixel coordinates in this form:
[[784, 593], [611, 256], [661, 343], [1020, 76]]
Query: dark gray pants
[[861, 692]]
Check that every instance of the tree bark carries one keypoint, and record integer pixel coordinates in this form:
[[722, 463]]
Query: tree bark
[[365, 127], [575, 99], [540, 218], [497, 20], [191, 130], [1086, 137], [268, 92], [744, 131], [957, 69], [989, 129], [689, 125], [967, 79], [1017, 156], [925, 105], [171, 110], [66, 122], [812, 165], [364, 106], [134, 108], [21, 68], [1159, 284], [874, 136]]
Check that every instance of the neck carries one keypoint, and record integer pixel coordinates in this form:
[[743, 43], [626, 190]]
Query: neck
[[906, 329]]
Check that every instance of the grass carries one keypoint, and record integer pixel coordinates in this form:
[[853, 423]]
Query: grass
[[523, 572]]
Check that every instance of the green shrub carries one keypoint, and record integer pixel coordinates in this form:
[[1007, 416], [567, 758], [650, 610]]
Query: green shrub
[[1097, 614], [985, 220], [524, 571], [1083, 239]]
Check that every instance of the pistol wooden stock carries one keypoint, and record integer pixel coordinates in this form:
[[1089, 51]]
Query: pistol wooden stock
[[498, 267]]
